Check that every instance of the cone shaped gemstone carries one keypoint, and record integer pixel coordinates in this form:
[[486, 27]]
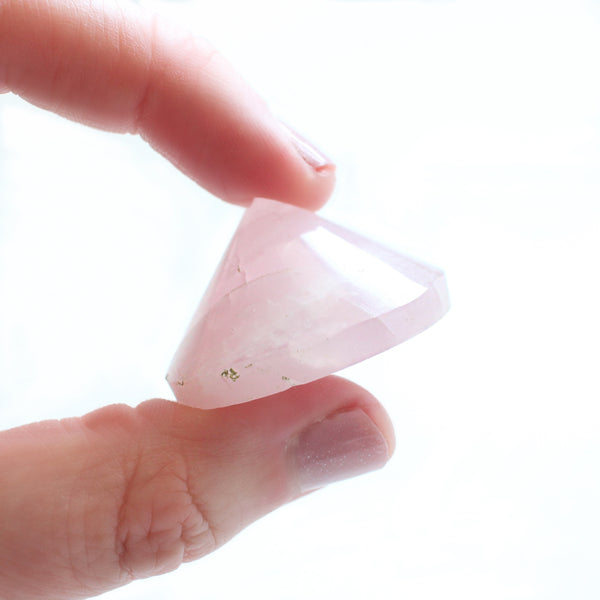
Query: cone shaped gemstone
[[294, 299]]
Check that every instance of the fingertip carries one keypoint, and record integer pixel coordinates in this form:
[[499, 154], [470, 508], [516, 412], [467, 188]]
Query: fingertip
[[318, 172], [350, 395], [322, 182], [349, 434]]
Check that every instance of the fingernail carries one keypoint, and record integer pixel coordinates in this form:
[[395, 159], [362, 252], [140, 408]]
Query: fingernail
[[340, 446], [309, 154]]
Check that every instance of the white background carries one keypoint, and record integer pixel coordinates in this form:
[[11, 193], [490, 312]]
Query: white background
[[466, 133]]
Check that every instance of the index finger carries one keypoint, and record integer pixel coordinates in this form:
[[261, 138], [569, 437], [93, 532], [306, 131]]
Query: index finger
[[116, 67]]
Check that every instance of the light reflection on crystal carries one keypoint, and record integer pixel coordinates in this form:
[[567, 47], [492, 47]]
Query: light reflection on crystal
[[386, 287]]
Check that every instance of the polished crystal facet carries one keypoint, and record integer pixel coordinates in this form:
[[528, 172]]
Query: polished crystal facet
[[294, 299]]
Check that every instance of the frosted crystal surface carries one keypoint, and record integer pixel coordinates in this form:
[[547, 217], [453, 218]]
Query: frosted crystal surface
[[296, 298]]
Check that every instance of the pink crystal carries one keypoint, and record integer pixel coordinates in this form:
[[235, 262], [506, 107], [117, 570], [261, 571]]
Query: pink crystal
[[294, 299]]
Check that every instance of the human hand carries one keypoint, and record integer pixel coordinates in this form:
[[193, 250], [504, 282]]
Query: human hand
[[88, 504]]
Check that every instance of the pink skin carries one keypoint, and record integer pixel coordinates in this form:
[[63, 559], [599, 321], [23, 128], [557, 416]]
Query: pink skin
[[118, 68], [88, 504]]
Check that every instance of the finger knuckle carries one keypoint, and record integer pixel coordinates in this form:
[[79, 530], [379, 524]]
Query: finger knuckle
[[160, 522]]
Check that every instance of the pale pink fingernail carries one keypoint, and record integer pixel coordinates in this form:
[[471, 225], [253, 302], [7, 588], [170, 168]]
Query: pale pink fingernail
[[340, 446], [309, 154]]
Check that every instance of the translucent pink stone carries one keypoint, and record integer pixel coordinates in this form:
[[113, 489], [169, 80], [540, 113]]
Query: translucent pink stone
[[296, 298]]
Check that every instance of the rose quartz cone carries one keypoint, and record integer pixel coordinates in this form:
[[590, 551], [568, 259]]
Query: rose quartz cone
[[294, 299]]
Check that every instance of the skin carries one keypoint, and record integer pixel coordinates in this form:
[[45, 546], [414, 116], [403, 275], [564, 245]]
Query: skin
[[90, 503]]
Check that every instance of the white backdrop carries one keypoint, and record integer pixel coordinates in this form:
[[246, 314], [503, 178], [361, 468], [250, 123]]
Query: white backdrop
[[466, 133]]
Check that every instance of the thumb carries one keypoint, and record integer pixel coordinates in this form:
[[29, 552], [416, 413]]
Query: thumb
[[90, 504]]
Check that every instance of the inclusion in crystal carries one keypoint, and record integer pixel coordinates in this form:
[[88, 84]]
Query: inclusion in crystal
[[296, 298]]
